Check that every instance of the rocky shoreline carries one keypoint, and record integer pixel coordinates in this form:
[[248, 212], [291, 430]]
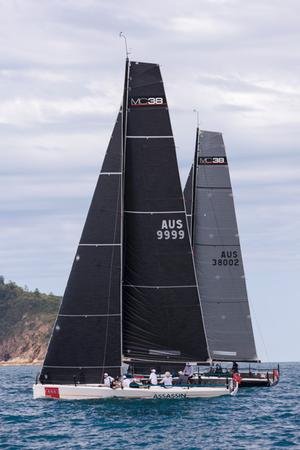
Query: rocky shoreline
[[21, 362], [26, 322]]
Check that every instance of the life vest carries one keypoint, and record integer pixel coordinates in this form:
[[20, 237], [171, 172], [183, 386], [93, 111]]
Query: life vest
[[237, 377]]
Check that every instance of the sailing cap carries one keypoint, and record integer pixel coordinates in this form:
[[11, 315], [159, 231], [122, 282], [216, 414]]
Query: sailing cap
[[106, 374], [153, 370]]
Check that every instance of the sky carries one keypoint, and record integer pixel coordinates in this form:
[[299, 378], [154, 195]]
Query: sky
[[61, 81]]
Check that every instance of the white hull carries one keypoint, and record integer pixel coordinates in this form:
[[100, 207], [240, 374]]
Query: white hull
[[89, 392]]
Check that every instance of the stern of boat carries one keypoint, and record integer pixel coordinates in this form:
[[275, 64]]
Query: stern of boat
[[72, 392], [275, 377]]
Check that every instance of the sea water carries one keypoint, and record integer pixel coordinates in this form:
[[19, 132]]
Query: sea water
[[257, 418]]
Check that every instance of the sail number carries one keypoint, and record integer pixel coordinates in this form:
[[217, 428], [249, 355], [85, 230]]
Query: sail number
[[170, 229], [228, 258], [225, 262]]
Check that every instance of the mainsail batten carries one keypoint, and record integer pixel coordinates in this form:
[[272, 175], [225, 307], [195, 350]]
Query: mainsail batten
[[217, 253], [159, 324]]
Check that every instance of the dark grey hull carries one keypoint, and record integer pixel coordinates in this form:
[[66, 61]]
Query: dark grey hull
[[264, 379]]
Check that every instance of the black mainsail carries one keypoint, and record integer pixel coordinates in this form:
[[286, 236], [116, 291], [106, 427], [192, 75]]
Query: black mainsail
[[86, 339], [217, 253], [132, 291], [162, 319]]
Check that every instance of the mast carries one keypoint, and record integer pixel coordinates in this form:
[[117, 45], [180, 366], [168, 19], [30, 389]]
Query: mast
[[194, 173], [217, 253], [123, 146]]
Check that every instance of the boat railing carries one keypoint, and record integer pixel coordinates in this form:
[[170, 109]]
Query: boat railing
[[143, 382], [246, 371]]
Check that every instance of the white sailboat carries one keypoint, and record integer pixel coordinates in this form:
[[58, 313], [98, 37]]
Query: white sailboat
[[95, 392], [132, 294]]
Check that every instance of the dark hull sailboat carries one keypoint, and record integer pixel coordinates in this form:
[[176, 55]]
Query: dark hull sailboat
[[132, 295], [218, 261], [247, 377]]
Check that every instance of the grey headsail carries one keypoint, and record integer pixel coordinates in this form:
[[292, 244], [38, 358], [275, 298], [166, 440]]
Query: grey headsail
[[86, 340], [162, 318], [217, 253]]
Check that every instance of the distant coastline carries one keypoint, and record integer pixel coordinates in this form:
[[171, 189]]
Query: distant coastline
[[21, 362], [26, 322]]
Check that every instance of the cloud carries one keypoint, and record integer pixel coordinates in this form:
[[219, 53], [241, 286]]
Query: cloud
[[210, 26], [61, 74]]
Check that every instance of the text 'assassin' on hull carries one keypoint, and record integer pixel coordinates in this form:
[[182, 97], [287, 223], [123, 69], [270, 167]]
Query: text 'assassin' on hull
[[132, 295]]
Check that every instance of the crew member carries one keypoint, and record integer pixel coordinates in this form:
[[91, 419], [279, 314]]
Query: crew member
[[134, 383], [108, 380], [188, 370], [182, 379], [126, 382], [235, 367], [153, 377], [218, 369], [117, 383], [167, 380]]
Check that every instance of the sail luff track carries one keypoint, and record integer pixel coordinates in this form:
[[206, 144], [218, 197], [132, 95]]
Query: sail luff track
[[123, 161], [194, 178]]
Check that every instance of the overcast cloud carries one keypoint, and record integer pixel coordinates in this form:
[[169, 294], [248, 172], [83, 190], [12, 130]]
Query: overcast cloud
[[61, 79]]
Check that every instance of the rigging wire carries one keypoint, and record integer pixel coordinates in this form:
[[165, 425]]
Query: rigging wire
[[261, 336], [111, 268]]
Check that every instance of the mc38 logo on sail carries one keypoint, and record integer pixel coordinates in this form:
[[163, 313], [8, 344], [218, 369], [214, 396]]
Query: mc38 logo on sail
[[170, 229], [148, 101], [212, 160]]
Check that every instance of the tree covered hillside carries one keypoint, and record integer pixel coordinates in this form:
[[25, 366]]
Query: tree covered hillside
[[26, 321]]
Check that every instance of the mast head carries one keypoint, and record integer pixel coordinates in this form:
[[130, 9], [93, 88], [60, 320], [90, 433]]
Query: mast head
[[122, 35], [198, 121]]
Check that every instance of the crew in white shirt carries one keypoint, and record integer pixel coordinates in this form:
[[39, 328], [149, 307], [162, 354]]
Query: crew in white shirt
[[167, 380], [108, 379], [153, 377], [126, 381]]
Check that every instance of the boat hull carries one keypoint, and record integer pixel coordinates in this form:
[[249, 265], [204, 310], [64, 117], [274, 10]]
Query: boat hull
[[93, 392], [246, 381]]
